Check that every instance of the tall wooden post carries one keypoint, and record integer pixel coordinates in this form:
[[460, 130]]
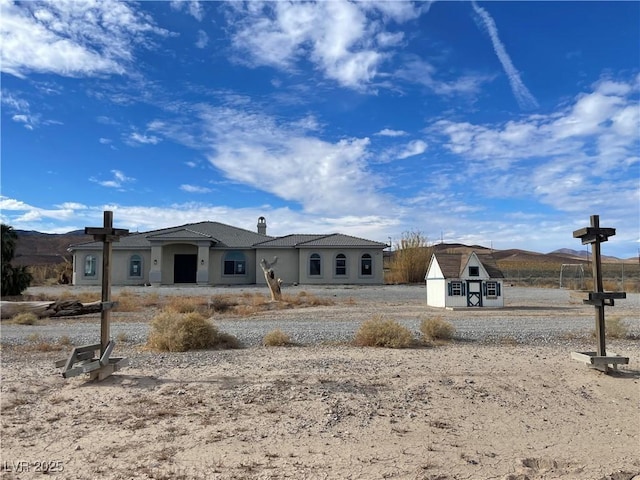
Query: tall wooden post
[[82, 359], [598, 287], [595, 235], [107, 235]]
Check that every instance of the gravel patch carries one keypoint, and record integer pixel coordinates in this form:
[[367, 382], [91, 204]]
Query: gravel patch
[[531, 315]]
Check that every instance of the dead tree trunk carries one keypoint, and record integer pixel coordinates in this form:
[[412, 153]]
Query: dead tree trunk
[[270, 277], [59, 308]]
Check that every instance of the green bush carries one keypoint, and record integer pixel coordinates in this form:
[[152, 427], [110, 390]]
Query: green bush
[[434, 329], [178, 332], [15, 280], [378, 332]]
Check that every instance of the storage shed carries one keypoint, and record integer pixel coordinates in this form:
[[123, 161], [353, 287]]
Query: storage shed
[[456, 280]]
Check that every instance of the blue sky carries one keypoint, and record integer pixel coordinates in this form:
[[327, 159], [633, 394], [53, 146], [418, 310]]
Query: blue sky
[[505, 124]]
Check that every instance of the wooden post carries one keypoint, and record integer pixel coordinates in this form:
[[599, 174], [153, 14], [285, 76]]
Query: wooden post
[[598, 287], [595, 235], [107, 235]]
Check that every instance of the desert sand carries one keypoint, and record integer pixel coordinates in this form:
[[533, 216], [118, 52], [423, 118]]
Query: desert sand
[[462, 410]]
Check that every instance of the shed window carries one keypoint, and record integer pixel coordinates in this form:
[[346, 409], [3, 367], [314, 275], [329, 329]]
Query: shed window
[[341, 264], [90, 266], [314, 264], [474, 271], [234, 263], [456, 289], [135, 266], [492, 289], [366, 265]]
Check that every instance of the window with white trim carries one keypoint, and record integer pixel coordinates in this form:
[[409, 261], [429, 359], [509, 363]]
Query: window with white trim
[[491, 289], [456, 289]]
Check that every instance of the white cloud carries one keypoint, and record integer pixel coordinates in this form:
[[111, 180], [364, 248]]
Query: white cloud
[[345, 40], [194, 189], [118, 180], [415, 147], [203, 39], [579, 158], [520, 91], [71, 38], [192, 7], [137, 138], [105, 141], [387, 132]]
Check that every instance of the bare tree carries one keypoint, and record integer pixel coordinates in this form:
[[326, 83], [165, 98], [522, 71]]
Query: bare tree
[[270, 277]]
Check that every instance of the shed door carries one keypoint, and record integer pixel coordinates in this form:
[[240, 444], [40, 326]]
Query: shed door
[[474, 293], [185, 268]]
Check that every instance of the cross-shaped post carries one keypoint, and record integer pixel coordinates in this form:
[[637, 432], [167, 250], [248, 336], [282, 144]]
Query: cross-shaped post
[[595, 235], [107, 235]]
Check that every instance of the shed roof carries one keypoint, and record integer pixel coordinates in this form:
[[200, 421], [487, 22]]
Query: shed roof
[[452, 264]]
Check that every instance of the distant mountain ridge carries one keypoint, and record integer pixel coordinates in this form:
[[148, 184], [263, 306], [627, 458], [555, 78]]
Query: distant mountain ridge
[[36, 248]]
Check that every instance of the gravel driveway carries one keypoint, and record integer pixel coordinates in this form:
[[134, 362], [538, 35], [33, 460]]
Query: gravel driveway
[[531, 315]]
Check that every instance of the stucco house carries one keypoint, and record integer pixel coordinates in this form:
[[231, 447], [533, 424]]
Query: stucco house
[[212, 253], [464, 280]]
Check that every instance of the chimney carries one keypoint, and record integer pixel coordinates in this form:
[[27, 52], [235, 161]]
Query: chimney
[[262, 226]]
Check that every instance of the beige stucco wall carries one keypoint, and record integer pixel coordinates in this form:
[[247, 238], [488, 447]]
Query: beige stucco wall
[[119, 267], [216, 268], [286, 268], [327, 270]]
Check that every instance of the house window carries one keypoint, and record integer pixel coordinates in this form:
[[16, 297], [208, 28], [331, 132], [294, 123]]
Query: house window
[[90, 266], [491, 289], [456, 289], [314, 264], [341, 264], [366, 265], [234, 263], [474, 271], [135, 266]]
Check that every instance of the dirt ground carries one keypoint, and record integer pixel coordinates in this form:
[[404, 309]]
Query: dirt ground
[[463, 410]]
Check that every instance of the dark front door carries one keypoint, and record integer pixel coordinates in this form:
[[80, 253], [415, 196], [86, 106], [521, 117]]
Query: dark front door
[[474, 293], [185, 268]]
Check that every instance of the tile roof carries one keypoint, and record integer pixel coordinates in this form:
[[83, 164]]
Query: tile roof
[[227, 236]]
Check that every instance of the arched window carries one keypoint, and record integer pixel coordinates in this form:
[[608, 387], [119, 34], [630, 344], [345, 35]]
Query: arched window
[[235, 264], [366, 265], [90, 265], [341, 264], [135, 266], [314, 265]]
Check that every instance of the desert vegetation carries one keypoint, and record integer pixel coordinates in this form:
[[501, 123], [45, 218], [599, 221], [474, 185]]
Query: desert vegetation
[[436, 329], [173, 331], [381, 332], [276, 338], [15, 279], [410, 259]]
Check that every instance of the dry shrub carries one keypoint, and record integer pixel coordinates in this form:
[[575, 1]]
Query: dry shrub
[[173, 331], [436, 329], [276, 338], [304, 299], [615, 327], [181, 304], [221, 303], [378, 332], [127, 302], [24, 318], [410, 259]]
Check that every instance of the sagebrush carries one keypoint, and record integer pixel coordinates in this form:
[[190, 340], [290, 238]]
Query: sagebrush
[[173, 331], [436, 329], [381, 332], [276, 338]]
